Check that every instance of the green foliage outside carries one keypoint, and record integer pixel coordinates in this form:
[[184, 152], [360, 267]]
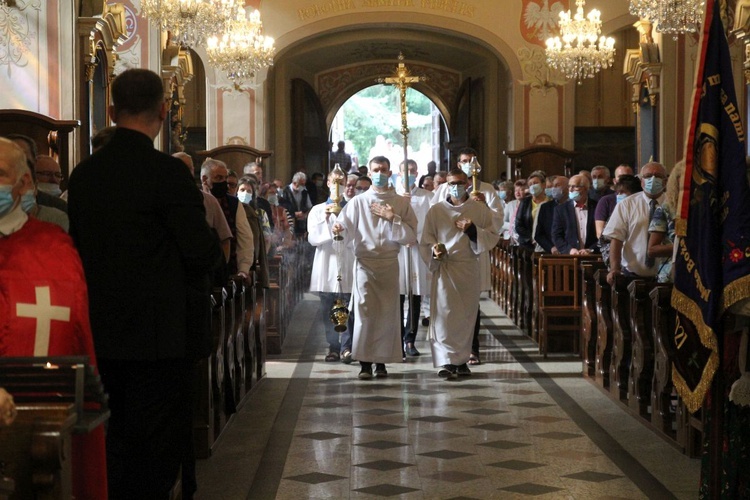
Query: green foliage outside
[[376, 111]]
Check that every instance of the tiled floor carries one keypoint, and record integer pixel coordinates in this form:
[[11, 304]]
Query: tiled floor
[[519, 427]]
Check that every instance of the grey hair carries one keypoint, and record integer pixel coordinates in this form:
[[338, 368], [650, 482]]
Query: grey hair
[[298, 177], [15, 156], [209, 164], [602, 167]]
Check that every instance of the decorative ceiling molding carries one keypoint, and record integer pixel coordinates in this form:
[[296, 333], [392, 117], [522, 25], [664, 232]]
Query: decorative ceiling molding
[[643, 67]]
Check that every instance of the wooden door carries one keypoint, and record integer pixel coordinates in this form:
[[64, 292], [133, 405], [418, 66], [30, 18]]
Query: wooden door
[[310, 145]]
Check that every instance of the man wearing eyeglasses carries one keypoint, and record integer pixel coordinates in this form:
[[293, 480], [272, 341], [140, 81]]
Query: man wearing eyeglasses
[[573, 228], [48, 175]]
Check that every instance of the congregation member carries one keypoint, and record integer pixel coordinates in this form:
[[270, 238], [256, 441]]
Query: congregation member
[[661, 229], [377, 223], [232, 182], [256, 171], [363, 184], [600, 183], [259, 225], [214, 215], [606, 204], [420, 200], [29, 147], [350, 190], [341, 158], [559, 195], [439, 178], [30, 205], [457, 230], [487, 195], [214, 175], [627, 185], [48, 175], [147, 253], [331, 272], [510, 212], [47, 306], [528, 210], [317, 188], [427, 182], [298, 202], [283, 223], [627, 229], [573, 229]]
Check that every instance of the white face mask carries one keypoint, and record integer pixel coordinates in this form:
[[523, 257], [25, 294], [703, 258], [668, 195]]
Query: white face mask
[[245, 197], [49, 188], [273, 199]]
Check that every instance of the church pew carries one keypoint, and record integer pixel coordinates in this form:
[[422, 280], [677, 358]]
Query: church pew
[[534, 324], [589, 325], [218, 373], [260, 330], [621, 340], [274, 301], [507, 279], [641, 373], [662, 415], [231, 377], [251, 349], [604, 329], [237, 335]]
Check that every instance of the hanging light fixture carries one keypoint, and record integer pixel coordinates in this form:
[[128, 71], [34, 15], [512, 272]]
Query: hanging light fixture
[[670, 16], [242, 50], [579, 52], [190, 21]]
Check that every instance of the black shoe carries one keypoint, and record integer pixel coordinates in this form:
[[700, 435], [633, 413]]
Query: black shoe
[[366, 372], [346, 357], [425, 321], [463, 370], [411, 350], [447, 372], [380, 371]]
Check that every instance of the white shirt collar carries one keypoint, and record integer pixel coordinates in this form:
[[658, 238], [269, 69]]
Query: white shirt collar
[[13, 221]]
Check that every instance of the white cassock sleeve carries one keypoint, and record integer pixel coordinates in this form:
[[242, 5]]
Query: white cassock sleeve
[[245, 243], [318, 228], [488, 230], [404, 226]]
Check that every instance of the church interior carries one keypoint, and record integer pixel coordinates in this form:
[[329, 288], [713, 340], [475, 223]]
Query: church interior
[[599, 416]]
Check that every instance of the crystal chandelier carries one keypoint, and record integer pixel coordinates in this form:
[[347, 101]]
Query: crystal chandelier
[[190, 21], [576, 53], [670, 16], [242, 50]]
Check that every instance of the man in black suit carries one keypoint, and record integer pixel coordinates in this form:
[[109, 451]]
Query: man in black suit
[[147, 252], [559, 195], [573, 222]]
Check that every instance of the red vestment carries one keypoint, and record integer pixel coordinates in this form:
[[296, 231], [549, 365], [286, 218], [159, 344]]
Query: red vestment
[[44, 311]]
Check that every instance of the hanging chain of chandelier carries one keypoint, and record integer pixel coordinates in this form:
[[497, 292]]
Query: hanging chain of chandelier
[[233, 38]]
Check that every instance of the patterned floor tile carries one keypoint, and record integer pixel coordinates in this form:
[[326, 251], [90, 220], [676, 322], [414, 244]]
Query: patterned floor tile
[[315, 478], [435, 419], [445, 454], [517, 465], [493, 427], [513, 381], [532, 489], [478, 399], [378, 412], [379, 427], [504, 445], [384, 465], [559, 435], [424, 392], [440, 435], [592, 476], [328, 405], [523, 392], [575, 455], [532, 404], [484, 411], [544, 419], [322, 436], [377, 399], [386, 490], [453, 476], [381, 444]]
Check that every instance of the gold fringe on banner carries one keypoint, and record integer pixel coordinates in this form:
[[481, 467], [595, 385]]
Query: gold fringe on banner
[[694, 398], [737, 290]]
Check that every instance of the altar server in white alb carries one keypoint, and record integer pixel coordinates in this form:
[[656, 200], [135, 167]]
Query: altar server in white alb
[[332, 260], [486, 193], [378, 223], [457, 231], [420, 285]]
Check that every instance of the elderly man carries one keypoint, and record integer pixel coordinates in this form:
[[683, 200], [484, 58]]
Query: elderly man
[[377, 223], [48, 175], [214, 175], [29, 147], [253, 168], [297, 201], [627, 229], [600, 183], [457, 231], [559, 194], [420, 200], [147, 253], [573, 230], [45, 307], [606, 205], [350, 190]]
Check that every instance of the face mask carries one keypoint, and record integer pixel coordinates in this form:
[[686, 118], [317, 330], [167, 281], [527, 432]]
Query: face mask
[[219, 189], [621, 197], [574, 195], [245, 197], [597, 184], [502, 195], [412, 180], [653, 185], [556, 194], [535, 189], [466, 167], [548, 192], [6, 200], [458, 192], [379, 179], [28, 201], [319, 184], [273, 199], [50, 188]]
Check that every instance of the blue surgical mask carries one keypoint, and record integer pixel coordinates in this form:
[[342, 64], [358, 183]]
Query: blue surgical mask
[[621, 197], [412, 180], [379, 179], [556, 194], [502, 195], [458, 191], [6, 200], [653, 185], [28, 201], [574, 195], [245, 197], [273, 199], [535, 189], [548, 192], [466, 167], [598, 184]]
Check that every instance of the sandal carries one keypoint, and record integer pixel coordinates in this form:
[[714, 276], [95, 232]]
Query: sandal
[[332, 356], [474, 359]]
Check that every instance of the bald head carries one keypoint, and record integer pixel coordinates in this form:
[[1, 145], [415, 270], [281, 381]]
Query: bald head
[[623, 170], [47, 170]]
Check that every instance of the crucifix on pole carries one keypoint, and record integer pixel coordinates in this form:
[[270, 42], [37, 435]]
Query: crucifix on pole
[[403, 80]]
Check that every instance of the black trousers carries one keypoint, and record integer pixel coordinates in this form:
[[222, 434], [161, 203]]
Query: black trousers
[[151, 423], [409, 332], [475, 339]]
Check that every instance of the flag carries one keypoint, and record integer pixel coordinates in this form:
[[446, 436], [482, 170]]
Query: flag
[[712, 265]]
